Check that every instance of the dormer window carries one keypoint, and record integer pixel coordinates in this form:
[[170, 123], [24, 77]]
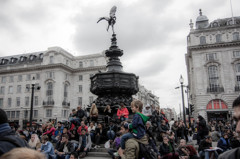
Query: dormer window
[[218, 38], [202, 40], [31, 57], [41, 56]]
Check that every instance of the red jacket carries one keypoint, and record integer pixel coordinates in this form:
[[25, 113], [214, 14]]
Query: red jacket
[[122, 111], [52, 130], [80, 129]]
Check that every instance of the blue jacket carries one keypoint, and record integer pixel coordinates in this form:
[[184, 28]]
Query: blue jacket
[[57, 131], [48, 149], [138, 125], [223, 144]]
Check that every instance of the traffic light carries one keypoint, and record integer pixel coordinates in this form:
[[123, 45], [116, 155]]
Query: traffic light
[[187, 111], [192, 108]]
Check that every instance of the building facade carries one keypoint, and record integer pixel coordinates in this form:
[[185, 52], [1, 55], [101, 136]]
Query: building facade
[[213, 66], [146, 96], [64, 80]]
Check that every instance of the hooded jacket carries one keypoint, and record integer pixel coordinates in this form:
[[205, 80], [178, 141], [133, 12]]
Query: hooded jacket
[[138, 125], [9, 140]]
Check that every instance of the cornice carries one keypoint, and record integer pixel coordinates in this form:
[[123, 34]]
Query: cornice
[[51, 66], [216, 45]]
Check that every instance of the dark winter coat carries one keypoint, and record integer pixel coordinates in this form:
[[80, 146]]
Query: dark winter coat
[[9, 140], [60, 147], [204, 145]]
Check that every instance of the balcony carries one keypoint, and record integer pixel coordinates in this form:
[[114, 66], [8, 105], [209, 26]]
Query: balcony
[[237, 88], [216, 89], [66, 104], [48, 103]]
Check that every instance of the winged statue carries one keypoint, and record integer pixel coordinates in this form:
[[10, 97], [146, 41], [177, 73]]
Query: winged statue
[[111, 19]]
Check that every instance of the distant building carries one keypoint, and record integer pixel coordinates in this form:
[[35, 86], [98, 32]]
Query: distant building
[[146, 96], [170, 113], [213, 66], [64, 80]]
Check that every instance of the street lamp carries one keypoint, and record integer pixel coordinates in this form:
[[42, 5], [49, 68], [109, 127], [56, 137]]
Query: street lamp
[[33, 88], [189, 111], [181, 80]]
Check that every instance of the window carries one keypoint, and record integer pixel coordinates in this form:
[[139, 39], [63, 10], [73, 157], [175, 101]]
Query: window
[[80, 101], [27, 88], [91, 63], [51, 59], [19, 88], [80, 88], [236, 36], [38, 76], [18, 101], [35, 113], [49, 91], [10, 89], [1, 102], [9, 102], [238, 80], [19, 78], [4, 79], [65, 94], [80, 77], [17, 114], [202, 40], [236, 54], [213, 77], [2, 90], [218, 38], [66, 62], [25, 114], [80, 64], [26, 101], [13, 114], [211, 57], [28, 78], [36, 100], [48, 112], [64, 113], [50, 75], [11, 79], [36, 87], [90, 99], [8, 114], [66, 76]]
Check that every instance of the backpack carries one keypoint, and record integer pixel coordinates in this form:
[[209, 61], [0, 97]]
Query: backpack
[[146, 152]]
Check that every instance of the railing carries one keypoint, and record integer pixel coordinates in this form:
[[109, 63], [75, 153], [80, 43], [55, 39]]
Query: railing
[[215, 89], [48, 103], [237, 88], [65, 103]]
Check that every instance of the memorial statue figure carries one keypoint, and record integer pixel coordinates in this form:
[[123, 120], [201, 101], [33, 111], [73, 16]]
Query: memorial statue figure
[[111, 19]]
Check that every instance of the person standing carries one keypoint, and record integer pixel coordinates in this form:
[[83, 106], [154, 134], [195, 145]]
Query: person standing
[[8, 138], [202, 129]]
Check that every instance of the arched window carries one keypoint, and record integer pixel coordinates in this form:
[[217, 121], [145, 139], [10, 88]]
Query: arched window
[[49, 91], [202, 40], [236, 36], [213, 78], [65, 92], [218, 38]]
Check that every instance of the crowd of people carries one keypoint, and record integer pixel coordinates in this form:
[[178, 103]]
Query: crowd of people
[[145, 134]]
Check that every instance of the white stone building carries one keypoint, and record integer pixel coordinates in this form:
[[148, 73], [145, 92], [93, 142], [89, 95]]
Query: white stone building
[[213, 66], [146, 96], [64, 80]]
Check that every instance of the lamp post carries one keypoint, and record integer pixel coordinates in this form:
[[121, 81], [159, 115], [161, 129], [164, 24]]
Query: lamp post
[[181, 80], [31, 110]]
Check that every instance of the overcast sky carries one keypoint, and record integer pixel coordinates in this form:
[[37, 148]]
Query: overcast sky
[[152, 33]]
